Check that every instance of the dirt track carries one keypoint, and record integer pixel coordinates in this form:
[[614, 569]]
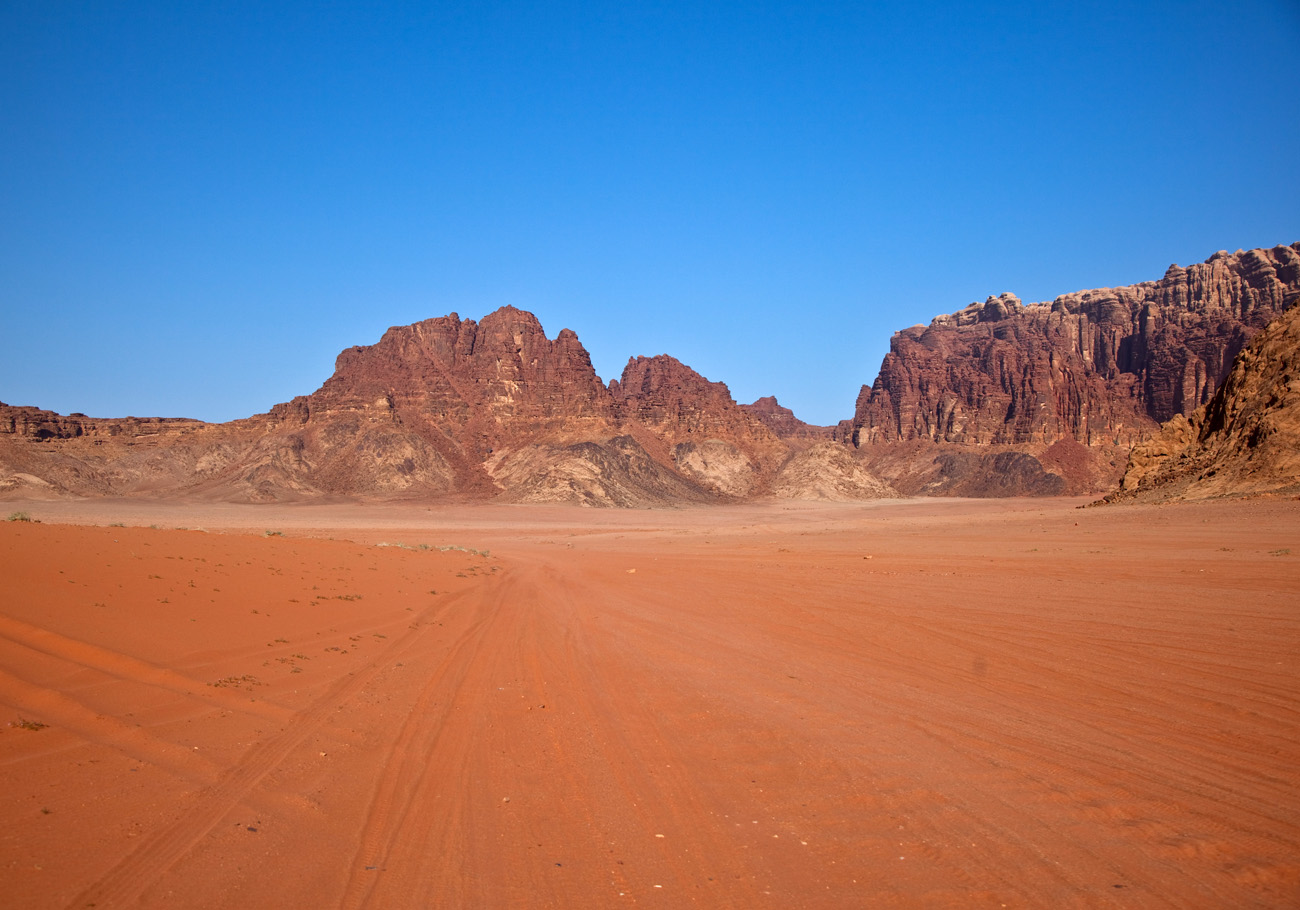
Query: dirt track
[[935, 704]]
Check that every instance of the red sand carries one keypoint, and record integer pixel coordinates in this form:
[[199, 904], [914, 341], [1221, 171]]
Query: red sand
[[930, 704]]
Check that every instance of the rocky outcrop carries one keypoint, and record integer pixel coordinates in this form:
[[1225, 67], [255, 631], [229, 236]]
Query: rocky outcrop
[[828, 471], [1100, 369], [618, 473], [1103, 367], [710, 439], [781, 421], [453, 391], [941, 469], [1246, 439], [442, 409], [40, 425]]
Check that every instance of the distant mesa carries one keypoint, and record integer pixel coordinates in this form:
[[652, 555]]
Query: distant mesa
[[1000, 398]]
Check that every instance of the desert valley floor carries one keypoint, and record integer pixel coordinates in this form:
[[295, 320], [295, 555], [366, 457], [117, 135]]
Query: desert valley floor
[[1014, 703]]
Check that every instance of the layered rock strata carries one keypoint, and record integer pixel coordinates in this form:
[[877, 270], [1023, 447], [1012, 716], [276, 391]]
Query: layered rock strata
[[1246, 439], [710, 439], [1102, 367]]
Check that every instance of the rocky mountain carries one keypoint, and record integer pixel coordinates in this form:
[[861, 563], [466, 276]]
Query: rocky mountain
[[710, 439], [784, 424], [1102, 368], [998, 399], [444, 408], [1246, 439]]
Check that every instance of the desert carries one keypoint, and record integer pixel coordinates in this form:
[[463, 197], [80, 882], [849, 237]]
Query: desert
[[469, 626], [893, 703], [596, 455]]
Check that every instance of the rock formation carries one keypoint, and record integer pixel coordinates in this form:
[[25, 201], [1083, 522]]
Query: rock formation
[[711, 439], [997, 399], [1101, 367], [828, 471], [784, 424], [444, 408], [1246, 439]]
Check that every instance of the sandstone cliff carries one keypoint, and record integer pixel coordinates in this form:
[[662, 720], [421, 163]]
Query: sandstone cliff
[[1101, 367], [440, 396], [1246, 439]]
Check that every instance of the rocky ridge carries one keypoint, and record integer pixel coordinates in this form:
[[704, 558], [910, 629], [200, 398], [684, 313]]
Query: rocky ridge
[[781, 421], [444, 408], [1101, 367], [1246, 439], [997, 399]]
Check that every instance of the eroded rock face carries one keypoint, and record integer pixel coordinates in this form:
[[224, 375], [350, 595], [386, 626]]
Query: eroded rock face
[[828, 471], [781, 421], [617, 473], [664, 393], [420, 411], [1246, 439], [717, 465], [40, 425], [1103, 367], [504, 369], [711, 439], [444, 408]]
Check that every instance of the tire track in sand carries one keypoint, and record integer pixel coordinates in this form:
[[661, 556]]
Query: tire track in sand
[[72, 715], [132, 669], [408, 827], [158, 852]]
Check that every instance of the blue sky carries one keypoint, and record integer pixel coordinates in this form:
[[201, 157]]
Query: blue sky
[[201, 204]]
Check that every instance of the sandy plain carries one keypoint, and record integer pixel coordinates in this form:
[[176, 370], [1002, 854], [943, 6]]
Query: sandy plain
[[903, 704]]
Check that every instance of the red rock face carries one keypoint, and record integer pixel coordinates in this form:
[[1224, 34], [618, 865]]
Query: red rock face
[[460, 390], [1246, 439], [695, 427], [1101, 367], [664, 393], [687, 411], [784, 424], [442, 408], [37, 424], [501, 378]]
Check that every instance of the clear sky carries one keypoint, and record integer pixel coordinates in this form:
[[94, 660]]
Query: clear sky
[[202, 203]]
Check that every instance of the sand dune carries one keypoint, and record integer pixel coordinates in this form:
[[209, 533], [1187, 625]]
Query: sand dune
[[906, 704]]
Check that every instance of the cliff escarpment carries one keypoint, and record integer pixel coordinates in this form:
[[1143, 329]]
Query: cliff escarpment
[[1102, 367], [1070, 385], [1244, 440]]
